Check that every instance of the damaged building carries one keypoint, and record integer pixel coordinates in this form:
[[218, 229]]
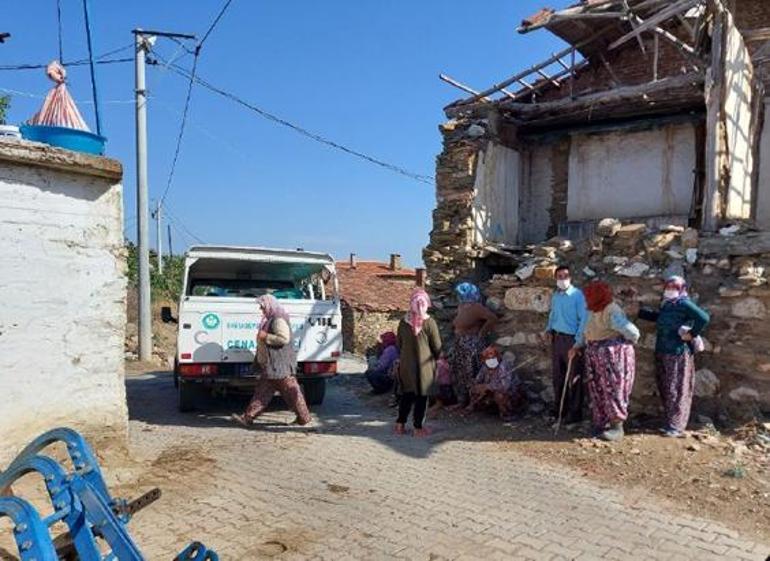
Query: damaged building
[[640, 149]]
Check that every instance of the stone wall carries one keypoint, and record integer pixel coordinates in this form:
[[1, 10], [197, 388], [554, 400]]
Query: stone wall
[[728, 278], [449, 256], [361, 329], [63, 294]]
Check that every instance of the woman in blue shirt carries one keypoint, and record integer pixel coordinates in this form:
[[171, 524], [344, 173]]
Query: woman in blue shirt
[[679, 325]]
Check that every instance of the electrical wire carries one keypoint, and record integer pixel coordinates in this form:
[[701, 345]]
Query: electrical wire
[[214, 23], [178, 223], [182, 127], [61, 44], [101, 59], [427, 179], [78, 63]]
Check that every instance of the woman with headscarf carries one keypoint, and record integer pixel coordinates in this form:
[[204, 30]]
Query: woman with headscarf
[[680, 323], [419, 343], [610, 360], [276, 364], [472, 324], [380, 376], [497, 385]]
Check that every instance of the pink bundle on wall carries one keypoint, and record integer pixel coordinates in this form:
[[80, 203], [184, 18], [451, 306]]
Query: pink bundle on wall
[[59, 109]]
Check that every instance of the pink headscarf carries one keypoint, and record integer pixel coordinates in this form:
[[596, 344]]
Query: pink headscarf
[[272, 309], [418, 310], [678, 283]]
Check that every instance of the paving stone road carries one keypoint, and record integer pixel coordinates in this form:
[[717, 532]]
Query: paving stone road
[[354, 491]]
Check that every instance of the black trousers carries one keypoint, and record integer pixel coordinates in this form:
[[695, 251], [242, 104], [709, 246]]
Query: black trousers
[[406, 402], [573, 401]]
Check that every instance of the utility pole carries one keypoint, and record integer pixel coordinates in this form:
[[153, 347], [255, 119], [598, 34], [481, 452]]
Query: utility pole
[[144, 42], [158, 237], [170, 247]]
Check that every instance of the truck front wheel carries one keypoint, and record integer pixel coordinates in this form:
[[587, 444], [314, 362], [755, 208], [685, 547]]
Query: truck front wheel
[[314, 390], [186, 396]]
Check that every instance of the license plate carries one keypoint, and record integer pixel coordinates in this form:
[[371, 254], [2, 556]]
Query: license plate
[[243, 370]]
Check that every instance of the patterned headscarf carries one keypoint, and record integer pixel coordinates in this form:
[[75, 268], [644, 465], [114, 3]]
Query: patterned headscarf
[[468, 293], [598, 296], [680, 285], [272, 310], [418, 310]]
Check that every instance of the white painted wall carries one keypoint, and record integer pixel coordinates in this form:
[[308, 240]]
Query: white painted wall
[[738, 112], [763, 191], [536, 195], [62, 296], [496, 204], [632, 174]]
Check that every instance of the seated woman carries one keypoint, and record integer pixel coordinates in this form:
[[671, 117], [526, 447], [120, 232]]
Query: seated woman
[[496, 385], [381, 375]]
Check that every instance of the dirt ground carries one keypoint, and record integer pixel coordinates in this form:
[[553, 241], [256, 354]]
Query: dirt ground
[[718, 476], [724, 476]]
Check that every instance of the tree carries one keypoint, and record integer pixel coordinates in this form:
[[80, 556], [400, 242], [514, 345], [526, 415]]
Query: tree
[[5, 103]]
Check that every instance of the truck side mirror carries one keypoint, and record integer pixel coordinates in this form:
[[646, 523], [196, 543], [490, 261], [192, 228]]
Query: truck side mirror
[[165, 315]]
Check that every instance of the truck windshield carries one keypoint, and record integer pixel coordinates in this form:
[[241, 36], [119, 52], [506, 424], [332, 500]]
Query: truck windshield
[[238, 288], [236, 278]]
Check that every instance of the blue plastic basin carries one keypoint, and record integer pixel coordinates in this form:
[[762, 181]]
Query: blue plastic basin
[[63, 137]]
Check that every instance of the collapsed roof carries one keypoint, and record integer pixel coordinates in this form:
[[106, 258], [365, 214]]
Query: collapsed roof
[[597, 31]]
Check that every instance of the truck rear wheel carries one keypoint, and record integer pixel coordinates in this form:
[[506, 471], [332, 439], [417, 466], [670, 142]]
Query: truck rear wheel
[[186, 396], [315, 391]]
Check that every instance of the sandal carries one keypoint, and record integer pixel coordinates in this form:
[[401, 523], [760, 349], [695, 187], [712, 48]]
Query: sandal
[[242, 420]]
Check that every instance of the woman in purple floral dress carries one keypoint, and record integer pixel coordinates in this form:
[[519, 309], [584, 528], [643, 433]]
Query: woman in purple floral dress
[[610, 361]]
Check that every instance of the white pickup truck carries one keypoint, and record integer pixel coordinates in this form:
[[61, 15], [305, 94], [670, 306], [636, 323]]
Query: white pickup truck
[[219, 318]]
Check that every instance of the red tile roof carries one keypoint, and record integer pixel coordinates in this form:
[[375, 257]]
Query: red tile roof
[[373, 287]]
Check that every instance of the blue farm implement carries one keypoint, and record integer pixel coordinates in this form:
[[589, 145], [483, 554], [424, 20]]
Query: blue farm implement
[[96, 522]]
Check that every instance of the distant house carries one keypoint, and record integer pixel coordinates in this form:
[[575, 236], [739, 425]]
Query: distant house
[[375, 296]]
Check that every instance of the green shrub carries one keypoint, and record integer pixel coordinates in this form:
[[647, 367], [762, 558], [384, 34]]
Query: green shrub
[[167, 286]]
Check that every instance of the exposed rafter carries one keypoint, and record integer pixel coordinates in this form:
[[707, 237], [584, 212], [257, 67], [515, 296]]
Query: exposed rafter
[[652, 23]]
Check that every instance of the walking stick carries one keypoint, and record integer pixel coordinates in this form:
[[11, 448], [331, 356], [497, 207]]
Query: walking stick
[[563, 395]]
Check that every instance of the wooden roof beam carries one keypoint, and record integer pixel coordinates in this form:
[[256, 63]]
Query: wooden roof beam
[[631, 19], [651, 24]]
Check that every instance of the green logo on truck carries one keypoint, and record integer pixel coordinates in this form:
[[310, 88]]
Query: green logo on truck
[[210, 321]]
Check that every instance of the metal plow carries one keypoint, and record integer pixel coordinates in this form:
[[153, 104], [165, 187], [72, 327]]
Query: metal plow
[[96, 522]]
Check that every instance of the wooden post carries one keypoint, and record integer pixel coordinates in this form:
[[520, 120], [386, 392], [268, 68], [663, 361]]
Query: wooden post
[[714, 125]]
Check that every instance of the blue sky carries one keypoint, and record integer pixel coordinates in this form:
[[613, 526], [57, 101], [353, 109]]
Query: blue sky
[[362, 73]]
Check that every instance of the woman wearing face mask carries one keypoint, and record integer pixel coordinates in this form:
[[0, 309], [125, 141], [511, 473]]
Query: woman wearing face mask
[[420, 344], [497, 385], [679, 325], [473, 323], [610, 361]]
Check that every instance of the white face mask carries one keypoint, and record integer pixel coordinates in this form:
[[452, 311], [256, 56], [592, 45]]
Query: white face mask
[[563, 284], [492, 363], [671, 294]]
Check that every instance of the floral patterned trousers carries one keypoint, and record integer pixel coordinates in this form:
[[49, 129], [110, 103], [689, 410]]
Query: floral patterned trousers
[[610, 370], [675, 375], [290, 392]]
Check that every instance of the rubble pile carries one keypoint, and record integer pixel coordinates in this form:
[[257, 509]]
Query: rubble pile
[[728, 276]]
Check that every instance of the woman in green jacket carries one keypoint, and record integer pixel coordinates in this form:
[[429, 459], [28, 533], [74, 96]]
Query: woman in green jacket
[[419, 344], [679, 325]]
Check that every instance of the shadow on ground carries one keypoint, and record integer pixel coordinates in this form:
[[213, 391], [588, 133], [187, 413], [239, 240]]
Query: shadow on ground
[[348, 410]]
